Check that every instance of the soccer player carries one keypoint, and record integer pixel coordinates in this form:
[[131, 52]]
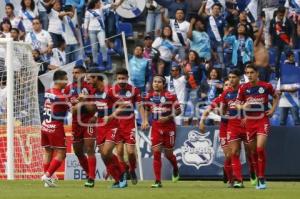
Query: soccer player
[[122, 93], [163, 106], [83, 134], [253, 98], [106, 127], [222, 135], [53, 134]]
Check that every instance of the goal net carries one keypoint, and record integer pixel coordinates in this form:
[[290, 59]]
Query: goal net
[[20, 149]]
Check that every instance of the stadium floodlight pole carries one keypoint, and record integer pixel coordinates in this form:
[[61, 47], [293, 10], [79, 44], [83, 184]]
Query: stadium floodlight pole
[[136, 130], [10, 166]]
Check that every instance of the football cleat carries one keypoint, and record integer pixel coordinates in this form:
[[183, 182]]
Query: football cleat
[[48, 181], [133, 177], [261, 184], [175, 176], [89, 183], [238, 184], [157, 184]]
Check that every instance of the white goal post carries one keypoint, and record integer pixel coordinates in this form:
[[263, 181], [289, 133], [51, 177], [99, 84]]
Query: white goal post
[[18, 78]]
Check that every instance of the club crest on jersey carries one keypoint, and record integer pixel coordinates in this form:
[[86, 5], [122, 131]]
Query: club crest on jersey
[[261, 90], [163, 100], [197, 150], [85, 91], [102, 95], [128, 94]]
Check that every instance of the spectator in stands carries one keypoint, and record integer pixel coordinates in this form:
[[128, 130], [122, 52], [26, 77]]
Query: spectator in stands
[[176, 83], [58, 57], [243, 19], [41, 6], [173, 6], [15, 21], [94, 28], [70, 34], [79, 6], [261, 54], [268, 7], [151, 54], [139, 69], [41, 89], [215, 30], [15, 34], [242, 46], [200, 41], [164, 44], [40, 39], [27, 13], [293, 13], [193, 70], [289, 100], [55, 15], [5, 28], [212, 87], [153, 20], [281, 31], [180, 28], [3, 98]]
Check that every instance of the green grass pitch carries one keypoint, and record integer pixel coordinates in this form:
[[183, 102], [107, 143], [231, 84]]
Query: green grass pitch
[[180, 190]]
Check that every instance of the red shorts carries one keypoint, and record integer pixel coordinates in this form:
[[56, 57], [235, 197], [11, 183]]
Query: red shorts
[[236, 131], [223, 134], [163, 135], [257, 127], [53, 135], [108, 133], [127, 131], [82, 132]]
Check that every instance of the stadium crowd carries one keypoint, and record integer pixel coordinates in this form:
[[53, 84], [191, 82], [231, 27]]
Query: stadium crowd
[[194, 43]]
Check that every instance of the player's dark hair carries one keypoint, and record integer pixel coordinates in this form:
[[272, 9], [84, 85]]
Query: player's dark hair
[[16, 29], [32, 5], [226, 79], [217, 4], [281, 10], [92, 4], [180, 9], [122, 71], [59, 75], [97, 73], [81, 68], [10, 5], [252, 66], [160, 76], [235, 72]]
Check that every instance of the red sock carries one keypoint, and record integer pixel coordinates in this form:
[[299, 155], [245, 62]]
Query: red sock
[[261, 162], [157, 165], [54, 165], [84, 163], [111, 166], [124, 166], [251, 164], [173, 161], [228, 169], [236, 167], [132, 162], [118, 165], [92, 166], [46, 166], [254, 161]]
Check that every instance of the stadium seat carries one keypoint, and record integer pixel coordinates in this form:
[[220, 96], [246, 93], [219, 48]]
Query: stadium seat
[[127, 28]]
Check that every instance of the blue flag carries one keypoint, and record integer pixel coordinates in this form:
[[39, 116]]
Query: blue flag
[[290, 74]]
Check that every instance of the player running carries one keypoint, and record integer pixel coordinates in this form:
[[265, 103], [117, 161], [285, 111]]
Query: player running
[[222, 135], [83, 134], [53, 135], [122, 93], [106, 128], [163, 106], [253, 98]]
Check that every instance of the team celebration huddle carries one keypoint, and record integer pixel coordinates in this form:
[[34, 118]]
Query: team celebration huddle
[[103, 116]]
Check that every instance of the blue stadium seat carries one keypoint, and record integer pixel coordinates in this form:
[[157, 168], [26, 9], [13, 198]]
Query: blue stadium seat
[[272, 56], [127, 28], [100, 61]]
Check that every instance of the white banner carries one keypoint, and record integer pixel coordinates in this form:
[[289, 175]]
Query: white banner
[[47, 78]]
